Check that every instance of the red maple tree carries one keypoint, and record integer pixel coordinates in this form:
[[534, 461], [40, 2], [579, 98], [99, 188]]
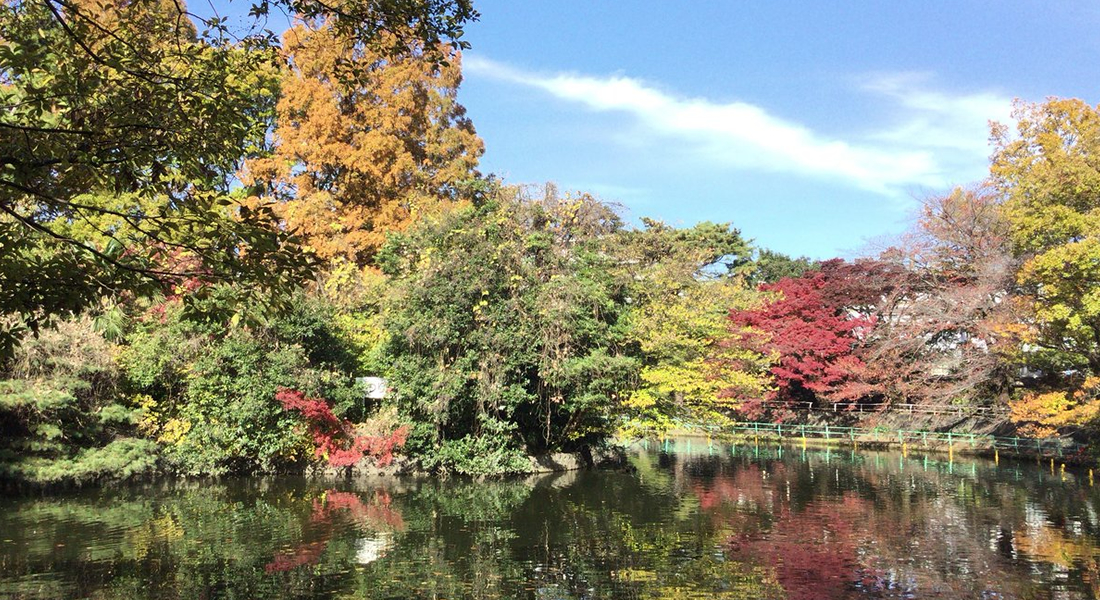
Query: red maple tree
[[335, 438], [815, 325]]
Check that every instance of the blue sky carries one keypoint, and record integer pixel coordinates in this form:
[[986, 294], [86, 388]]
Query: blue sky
[[813, 127]]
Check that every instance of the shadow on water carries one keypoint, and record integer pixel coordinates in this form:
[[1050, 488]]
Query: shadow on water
[[692, 521]]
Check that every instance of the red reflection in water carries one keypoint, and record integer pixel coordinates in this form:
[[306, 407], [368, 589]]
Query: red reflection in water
[[304, 554], [377, 514], [813, 551]]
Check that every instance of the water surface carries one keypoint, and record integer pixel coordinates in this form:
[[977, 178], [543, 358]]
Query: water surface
[[693, 520]]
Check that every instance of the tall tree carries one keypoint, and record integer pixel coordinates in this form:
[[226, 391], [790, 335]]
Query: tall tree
[[122, 129], [1049, 175], [507, 330], [771, 266], [946, 331], [365, 141], [683, 282], [814, 325]]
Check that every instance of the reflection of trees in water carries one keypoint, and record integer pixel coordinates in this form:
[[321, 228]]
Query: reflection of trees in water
[[811, 550], [885, 525], [456, 544], [560, 536], [190, 541], [835, 526], [374, 515]]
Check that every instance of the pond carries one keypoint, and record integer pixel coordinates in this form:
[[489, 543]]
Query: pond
[[692, 520]]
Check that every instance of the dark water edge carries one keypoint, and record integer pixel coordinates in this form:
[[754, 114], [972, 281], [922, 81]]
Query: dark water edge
[[693, 520], [606, 456]]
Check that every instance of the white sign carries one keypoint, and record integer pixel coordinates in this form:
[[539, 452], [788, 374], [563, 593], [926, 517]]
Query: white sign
[[375, 387]]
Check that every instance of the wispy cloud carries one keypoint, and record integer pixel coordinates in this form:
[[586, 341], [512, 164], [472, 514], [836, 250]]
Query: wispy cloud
[[936, 119], [935, 139]]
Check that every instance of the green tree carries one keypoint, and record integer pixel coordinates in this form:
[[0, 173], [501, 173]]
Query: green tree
[[771, 266], [123, 131], [683, 282], [207, 392], [506, 330], [123, 128], [1049, 175]]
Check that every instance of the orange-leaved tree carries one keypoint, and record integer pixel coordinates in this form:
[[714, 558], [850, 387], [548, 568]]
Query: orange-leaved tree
[[1048, 414], [365, 141]]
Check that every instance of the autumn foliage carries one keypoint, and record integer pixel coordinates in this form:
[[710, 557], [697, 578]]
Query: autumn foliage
[[316, 215], [335, 439], [366, 142], [931, 321], [815, 324], [1047, 414]]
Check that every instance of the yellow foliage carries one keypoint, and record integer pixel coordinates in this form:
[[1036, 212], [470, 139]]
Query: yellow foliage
[[635, 575], [153, 533], [174, 431], [691, 369], [366, 143], [1052, 545], [1049, 178], [1042, 415], [148, 421]]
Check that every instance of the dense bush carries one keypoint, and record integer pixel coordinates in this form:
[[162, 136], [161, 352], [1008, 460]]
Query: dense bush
[[209, 395], [506, 331], [61, 419]]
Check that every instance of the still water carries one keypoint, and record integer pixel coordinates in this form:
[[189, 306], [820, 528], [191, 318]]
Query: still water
[[691, 521]]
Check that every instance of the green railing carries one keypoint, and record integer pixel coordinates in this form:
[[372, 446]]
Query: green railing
[[916, 438], [947, 464]]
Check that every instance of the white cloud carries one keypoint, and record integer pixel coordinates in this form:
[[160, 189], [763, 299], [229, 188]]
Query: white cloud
[[938, 138], [936, 119]]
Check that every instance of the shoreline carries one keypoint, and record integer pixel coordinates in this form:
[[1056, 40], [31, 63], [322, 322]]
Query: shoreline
[[614, 455]]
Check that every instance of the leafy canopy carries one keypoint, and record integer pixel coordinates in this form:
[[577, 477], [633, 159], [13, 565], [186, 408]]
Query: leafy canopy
[[506, 329], [365, 142], [682, 284], [1049, 175], [123, 127]]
